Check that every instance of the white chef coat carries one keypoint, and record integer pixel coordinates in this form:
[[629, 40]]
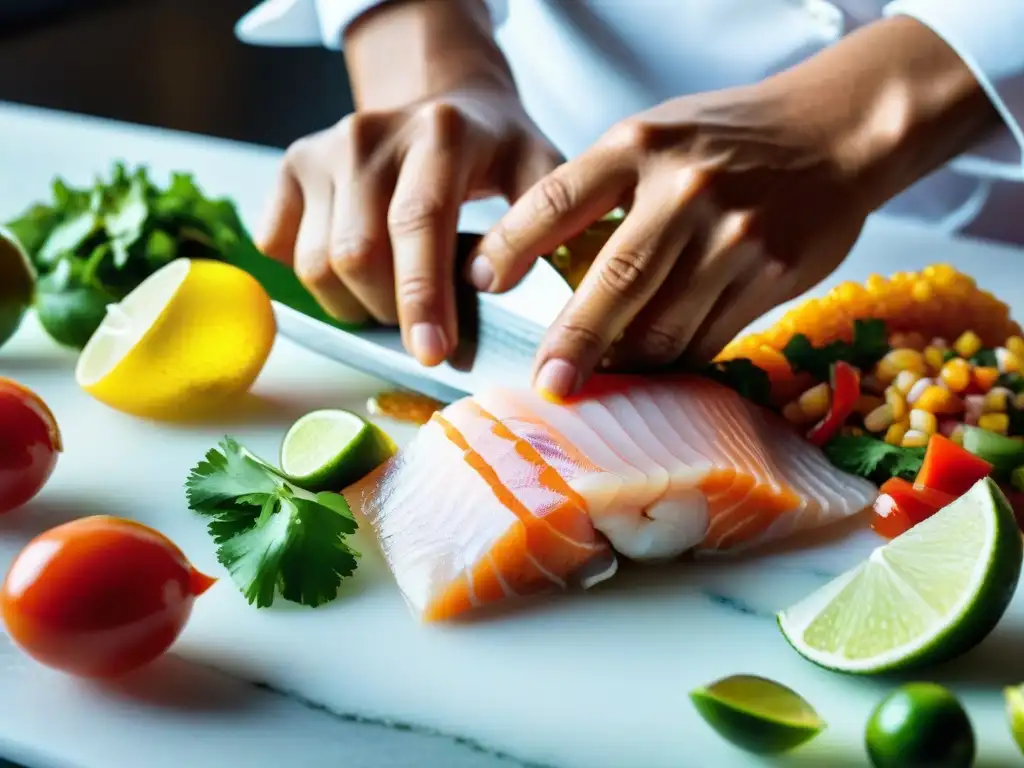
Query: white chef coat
[[583, 65]]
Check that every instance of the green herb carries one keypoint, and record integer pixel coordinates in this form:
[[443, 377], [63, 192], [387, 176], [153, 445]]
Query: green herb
[[870, 344], [984, 358], [272, 535], [949, 354], [1011, 381], [874, 459], [745, 377]]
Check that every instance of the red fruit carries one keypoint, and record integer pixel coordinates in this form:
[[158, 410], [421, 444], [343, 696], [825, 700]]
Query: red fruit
[[29, 444]]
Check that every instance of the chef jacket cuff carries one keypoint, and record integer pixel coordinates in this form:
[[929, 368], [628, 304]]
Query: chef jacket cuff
[[987, 35], [312, 22]]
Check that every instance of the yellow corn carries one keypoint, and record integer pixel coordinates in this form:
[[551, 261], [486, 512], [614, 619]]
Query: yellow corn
[[905, 381], [920, 386], [894, 435], [794, 414], [985, 377], [879, 419], [957, 435], [968, 344], [996, 400], [898, 360], [956, 374], [995, 422], [934, 357], [1016, 345], [939, 302], [896, 403], [815, 401], [911, 339], [923, 421], [915, 439], [1007, 361], [937, 399], [866, 404]]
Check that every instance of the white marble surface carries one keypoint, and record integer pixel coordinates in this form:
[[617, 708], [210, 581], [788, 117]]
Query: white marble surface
[[589, 681]]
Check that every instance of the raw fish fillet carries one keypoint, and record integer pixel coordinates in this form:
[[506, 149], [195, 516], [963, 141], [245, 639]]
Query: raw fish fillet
[[505, 494]]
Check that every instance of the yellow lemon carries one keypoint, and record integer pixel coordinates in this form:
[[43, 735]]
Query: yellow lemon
[[192, 335]]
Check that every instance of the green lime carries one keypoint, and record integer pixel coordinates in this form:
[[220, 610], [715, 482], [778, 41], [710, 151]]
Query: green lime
[[69, 307], [756, 714], [331, 449], [17, 284], [925, 597], [920, 725], [1015, 713]]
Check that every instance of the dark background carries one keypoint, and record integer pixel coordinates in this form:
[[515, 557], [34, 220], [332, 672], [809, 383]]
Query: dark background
[[168, 63]]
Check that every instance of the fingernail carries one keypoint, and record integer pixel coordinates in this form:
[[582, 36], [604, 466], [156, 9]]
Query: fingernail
[[481, 273], [428, 343], [558, 378]]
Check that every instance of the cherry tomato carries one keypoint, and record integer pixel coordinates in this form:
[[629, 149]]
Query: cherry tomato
[[99, 596], [29, 444], [902, 505]]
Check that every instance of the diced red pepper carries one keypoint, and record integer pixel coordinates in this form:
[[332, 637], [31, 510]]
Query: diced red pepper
[[949, 468], [890, 520], [845, 385]]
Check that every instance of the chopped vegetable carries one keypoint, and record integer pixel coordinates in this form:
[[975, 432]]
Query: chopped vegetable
[[901, 505], [951, 469], [867, 347], [271, 534], [874, 459], [1003, 453], [30, 444], [845, 393], [743, 376]]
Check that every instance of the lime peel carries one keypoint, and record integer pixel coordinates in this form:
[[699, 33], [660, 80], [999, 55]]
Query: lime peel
[[1014, 696], [757, 714]]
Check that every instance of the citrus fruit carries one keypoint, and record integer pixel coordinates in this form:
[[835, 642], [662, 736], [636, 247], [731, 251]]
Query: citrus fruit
[[329, 450], [191, 336], [1014, 696], [17, 284], [920, 725], [757, 714], [925, 597], [70, 309]]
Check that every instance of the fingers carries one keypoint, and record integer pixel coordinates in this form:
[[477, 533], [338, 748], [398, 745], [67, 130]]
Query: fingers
[[282, 217], [422, 222], [629, 270], [557, 207]]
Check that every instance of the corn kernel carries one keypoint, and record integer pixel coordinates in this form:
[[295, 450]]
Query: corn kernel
[[985, 377], [894, 435], [923, 421], [794, 414], [996, 400], [915, 439], [897, 404], [934, 357], [968, 344], [922, 291], [879, 419], [1007, 362], [815, 401], [905, 381], [866, 404], [939, 400], [956, 374], [903, 359], [995, 422], [1016, 345], [918, 389]]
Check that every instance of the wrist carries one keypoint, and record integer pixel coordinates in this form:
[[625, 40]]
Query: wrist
[[888, 120], [405, 51]]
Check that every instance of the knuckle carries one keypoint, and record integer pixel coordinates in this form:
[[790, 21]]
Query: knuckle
[[441, 120], [351, 255], [414, 216], [313, 269], [298, 151], [357, 133], [623, 273], [581, 338], [631, 135], [554, 197], [661, 344], [417, 290]]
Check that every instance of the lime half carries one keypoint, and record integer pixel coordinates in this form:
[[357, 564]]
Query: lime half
[[329, 450], [17, 284], [923, 598], [1015, 713], [757, 714]]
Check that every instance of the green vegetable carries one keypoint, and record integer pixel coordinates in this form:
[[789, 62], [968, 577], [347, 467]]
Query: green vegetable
[[874, 459], [69, 305], [745, 377], [272, 535], [920, 725], [870, 344], [984, 358], [1002, 452], [1017, 478], [1011, 381]]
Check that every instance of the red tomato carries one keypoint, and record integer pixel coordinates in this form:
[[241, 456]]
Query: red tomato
[[29, 444], [949, 468], [99, 596], [901, 505]]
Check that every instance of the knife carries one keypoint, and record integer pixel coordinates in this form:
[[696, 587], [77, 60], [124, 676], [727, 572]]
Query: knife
[[498, 336]]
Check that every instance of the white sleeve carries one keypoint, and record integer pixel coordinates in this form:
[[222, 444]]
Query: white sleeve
[[989, 36], [316, 22]]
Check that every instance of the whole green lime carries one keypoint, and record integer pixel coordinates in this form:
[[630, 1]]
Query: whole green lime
[[920, 725], [17, 283], [69, 308]]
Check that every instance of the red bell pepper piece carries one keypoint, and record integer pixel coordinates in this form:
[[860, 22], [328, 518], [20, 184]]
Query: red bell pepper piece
[[949, 468], [901, 505], [845, 385]]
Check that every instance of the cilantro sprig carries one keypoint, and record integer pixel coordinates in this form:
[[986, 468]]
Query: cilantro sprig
[[270, 534], [870, 344], [874, 459]]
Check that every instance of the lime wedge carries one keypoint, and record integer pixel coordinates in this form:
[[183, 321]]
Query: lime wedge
[[925, 597], [920, 725], [757, 714], [1014, 696], [329, 450]]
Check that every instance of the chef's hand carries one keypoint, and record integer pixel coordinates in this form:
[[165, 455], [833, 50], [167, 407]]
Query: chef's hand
[[366, 211], [737, 200]]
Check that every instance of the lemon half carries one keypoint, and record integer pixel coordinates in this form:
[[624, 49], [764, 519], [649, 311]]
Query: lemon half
[[193, 334]]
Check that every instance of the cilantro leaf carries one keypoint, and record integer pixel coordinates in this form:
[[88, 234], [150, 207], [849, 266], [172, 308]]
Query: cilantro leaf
[[271, 535], [742, 375], [874, 459], [870, 344], [984, 358]]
